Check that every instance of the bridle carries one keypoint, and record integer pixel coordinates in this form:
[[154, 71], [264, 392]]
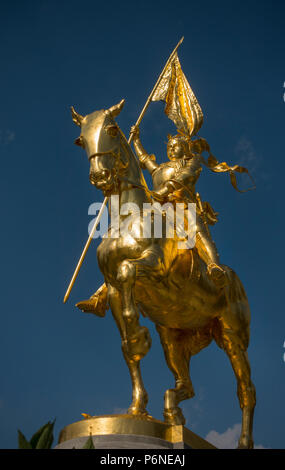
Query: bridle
[[120, 168]]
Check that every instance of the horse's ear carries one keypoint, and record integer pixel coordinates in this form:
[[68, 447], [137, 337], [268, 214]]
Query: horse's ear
[[76, 117], [115, 110]]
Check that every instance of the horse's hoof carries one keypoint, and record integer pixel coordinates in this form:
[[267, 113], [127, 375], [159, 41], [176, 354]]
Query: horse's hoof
[[174, 416], [135, 411]]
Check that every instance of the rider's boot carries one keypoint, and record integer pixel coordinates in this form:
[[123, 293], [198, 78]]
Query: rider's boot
[[97, 304]]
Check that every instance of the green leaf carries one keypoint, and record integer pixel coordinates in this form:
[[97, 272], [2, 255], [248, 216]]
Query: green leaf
[[50, 442], [46, 439], [35, 438], [89, 443], [22, 441]]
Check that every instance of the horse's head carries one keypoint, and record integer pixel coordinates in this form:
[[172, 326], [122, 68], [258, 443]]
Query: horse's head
[[102, 139]]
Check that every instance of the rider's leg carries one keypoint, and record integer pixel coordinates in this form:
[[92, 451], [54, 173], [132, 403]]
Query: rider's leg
[[208, 252]]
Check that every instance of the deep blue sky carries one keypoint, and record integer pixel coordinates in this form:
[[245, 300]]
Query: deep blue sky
[[56, 362]]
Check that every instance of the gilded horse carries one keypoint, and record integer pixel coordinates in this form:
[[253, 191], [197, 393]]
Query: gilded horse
[[152, 276]]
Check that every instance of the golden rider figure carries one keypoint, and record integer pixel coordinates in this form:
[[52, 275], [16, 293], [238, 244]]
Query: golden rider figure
[[175, 181]]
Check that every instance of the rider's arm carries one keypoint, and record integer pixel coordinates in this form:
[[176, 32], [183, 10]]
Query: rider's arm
[[146, 161]]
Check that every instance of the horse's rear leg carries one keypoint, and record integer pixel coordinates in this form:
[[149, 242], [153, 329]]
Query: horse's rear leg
[[177, 354], [139, 394], [236, 351]]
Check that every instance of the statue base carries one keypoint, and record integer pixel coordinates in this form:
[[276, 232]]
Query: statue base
[[129, 432]]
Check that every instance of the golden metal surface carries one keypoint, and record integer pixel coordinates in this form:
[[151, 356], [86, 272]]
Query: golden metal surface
[[78, 120], [190, 296], [127, 424], [181, 103]]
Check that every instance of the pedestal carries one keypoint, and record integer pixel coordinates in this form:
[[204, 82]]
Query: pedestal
[[129, 432]]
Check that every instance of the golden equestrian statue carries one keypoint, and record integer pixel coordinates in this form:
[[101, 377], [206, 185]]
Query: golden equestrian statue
[[190, 296]]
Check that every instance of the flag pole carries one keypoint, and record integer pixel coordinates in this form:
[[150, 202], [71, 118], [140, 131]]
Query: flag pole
[[85, 249], [154, 88]]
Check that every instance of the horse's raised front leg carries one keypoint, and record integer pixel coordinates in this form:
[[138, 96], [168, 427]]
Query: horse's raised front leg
[[175, 343], [149, 264], [138, 338], [139, 395]]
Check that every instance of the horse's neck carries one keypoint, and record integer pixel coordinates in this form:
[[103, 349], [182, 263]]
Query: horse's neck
[[132, 182]]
